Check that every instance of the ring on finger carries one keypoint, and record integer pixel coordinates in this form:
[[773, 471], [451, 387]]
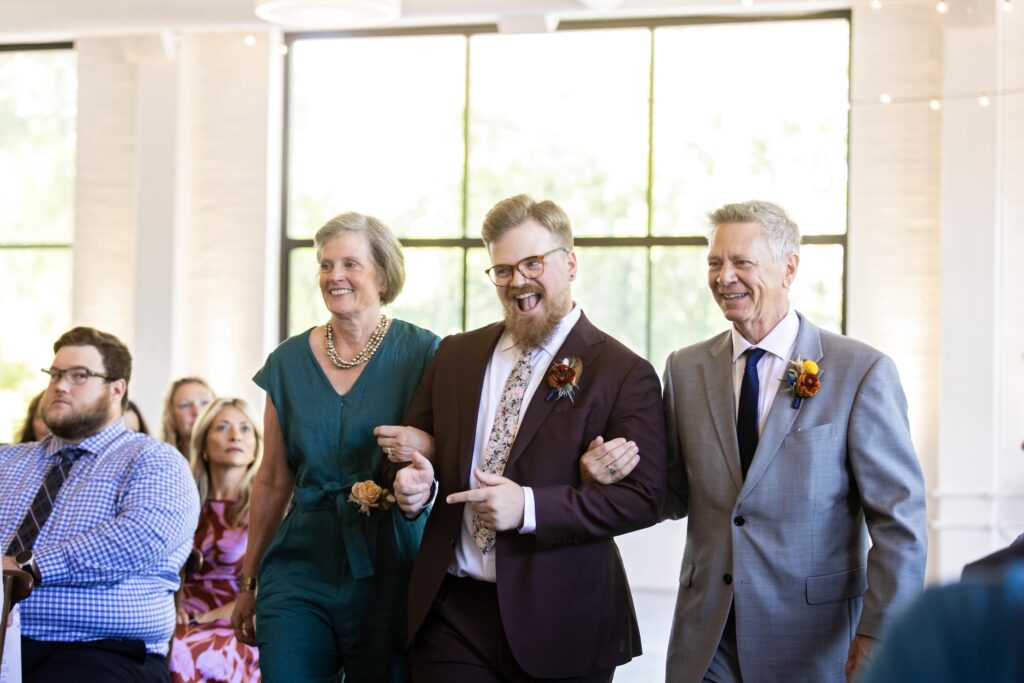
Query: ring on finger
[[613, 468], [388, 450]]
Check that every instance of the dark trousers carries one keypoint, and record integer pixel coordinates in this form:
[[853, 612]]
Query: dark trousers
[[93, 661], [463, 640]]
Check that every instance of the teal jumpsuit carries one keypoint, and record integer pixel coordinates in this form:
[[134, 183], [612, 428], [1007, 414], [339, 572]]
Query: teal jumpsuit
[[332, 585]]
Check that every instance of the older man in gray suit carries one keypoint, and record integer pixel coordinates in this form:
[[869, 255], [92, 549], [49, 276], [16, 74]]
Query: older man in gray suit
[[779, 477]]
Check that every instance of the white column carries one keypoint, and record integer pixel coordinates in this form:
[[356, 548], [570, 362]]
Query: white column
[[160, 221], [231, 279]]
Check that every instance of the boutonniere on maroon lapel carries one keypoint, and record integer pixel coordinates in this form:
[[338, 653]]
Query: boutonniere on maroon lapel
[[803, 379], [564, 378]]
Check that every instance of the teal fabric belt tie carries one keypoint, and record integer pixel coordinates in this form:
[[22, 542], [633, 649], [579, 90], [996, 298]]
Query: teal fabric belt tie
[[358, 532]]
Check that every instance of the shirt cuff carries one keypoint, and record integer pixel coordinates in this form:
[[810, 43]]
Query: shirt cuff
[[53, 570], [529, 512], [429, 504]]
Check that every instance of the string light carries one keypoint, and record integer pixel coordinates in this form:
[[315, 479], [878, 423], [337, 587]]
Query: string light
[[982, 99], [250, 40], [748, 3], [941, 7], [876, 4], [1007, 6], [282, 50]]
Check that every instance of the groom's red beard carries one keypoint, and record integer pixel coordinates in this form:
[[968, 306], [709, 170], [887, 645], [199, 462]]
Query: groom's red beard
[[531, 332]]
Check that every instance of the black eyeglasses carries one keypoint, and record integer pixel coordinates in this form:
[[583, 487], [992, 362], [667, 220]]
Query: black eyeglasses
[[75, 375], [531, 267]]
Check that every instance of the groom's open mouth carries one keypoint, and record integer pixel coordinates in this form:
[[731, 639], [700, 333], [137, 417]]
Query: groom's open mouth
[[527, 302]]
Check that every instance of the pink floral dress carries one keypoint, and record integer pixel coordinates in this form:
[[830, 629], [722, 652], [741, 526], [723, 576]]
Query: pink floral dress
[[210, 652]]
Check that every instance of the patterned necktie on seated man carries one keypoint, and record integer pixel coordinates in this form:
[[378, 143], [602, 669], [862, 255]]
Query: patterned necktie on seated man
[[42, 506]]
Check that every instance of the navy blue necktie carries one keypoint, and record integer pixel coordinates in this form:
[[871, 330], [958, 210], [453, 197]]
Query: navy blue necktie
[[42, 506], [746, 417]]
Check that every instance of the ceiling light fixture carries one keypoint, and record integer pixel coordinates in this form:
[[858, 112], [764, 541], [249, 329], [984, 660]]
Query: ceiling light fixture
[[328, 13]]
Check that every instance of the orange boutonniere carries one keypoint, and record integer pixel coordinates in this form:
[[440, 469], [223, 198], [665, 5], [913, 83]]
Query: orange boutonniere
[[803, 377], [564, 378], [368, 495]]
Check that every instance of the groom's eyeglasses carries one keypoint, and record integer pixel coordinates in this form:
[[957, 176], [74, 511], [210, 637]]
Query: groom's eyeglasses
[[531, 267]]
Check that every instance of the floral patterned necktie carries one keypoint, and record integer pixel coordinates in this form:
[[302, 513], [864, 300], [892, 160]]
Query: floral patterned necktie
[[503, 434]]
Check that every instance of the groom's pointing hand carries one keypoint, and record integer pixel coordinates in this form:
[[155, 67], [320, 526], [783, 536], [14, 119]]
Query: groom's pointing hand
[[498, 502]]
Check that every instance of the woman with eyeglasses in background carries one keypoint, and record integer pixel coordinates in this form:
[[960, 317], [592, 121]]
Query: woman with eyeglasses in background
[[186, 399]]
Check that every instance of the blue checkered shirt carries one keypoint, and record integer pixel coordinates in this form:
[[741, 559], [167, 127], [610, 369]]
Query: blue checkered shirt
[[110, 552]]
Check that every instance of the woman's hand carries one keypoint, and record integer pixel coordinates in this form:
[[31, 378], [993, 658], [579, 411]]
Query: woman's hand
[[216, 614], [243, 617], [183, 617], [399, 443]]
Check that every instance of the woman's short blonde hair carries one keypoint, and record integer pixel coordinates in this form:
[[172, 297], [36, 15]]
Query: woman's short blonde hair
[[238, 516], [385, 249]]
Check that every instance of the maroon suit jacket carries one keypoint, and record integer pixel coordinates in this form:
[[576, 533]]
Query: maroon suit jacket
[[564, 599]]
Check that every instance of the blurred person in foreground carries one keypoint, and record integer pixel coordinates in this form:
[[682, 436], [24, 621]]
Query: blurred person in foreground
[[518, 577], [789, 448], [102, 518], [225, 454], [969, 632], [324, 590]]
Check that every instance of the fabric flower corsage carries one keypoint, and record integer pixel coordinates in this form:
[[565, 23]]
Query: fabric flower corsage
[[564, 378], [369, 496], [802, 377]]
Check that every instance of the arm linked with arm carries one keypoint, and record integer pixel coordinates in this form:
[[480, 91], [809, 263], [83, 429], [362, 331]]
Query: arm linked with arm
[[419, 414], [595, 511]]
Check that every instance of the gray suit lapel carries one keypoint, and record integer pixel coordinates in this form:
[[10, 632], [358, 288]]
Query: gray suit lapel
[[718, 383], [782, 413]]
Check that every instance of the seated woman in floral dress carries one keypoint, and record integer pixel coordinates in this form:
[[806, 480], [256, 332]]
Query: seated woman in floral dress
[[226, 449]]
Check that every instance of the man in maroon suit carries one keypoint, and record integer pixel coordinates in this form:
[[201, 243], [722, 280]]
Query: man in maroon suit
[[518, 578]]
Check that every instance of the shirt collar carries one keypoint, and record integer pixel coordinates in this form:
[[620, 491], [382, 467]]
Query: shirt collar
[[91, 444], [779, 342], [555, 339]]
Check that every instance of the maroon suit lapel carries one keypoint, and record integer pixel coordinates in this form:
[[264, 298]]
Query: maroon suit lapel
[[584, 342], [472, 368]]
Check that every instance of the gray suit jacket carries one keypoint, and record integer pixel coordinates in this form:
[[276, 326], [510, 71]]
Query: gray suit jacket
[[789, 544]]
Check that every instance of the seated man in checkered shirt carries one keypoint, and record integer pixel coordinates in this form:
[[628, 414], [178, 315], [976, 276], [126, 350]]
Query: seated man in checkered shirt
[[103, 519]]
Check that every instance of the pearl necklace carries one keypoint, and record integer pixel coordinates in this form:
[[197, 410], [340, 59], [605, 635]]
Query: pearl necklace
[[363, 356]]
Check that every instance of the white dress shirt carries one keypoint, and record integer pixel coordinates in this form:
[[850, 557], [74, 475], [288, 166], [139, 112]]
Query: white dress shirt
[[469, 560], [779, 344]]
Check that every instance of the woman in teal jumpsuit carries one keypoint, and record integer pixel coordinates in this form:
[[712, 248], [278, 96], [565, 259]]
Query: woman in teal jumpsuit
[[330, 580]]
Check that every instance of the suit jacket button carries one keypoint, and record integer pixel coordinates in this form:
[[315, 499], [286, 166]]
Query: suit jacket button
[[727, 579], [739, 521]]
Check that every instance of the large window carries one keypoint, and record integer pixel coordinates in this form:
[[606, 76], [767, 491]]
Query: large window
[[37, 160], [637, 131]]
